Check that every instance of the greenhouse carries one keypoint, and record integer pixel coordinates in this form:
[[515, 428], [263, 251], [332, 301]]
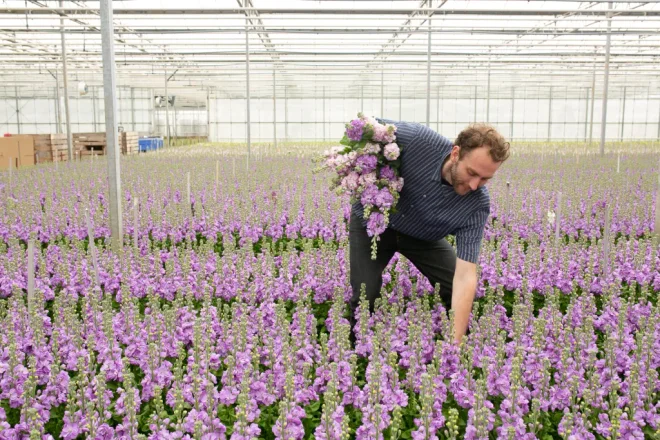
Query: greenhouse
[[329, 219]]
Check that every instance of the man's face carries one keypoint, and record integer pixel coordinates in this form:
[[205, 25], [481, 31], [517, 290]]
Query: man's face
[[472, 171]]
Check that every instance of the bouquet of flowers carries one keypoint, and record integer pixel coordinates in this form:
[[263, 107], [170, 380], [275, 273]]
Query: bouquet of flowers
[[367, 168]]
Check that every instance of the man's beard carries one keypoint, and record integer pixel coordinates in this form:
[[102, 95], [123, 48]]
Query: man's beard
[[453, 172]]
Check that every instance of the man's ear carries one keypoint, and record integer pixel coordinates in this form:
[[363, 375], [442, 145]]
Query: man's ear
[[454, 152]]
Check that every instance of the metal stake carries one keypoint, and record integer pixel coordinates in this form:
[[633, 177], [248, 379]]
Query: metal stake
[[30, 286]]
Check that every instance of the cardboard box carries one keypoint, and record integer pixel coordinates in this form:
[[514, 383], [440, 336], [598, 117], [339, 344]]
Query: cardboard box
[[19, 149], [9, 152], [26, 150]]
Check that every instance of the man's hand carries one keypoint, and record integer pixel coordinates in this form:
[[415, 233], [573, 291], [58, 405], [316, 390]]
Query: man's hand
[[465, 286]]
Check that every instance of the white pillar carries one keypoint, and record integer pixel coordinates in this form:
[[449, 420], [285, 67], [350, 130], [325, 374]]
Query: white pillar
[[488, 94], [274, 109], [65, 83], [550, 113], [58, 106], [167, 111], [247, 85], [133, 108], [513, 102], [608, 43], [623, 110], [428, 69], [18, 111], [94, 108], [382, 91], [112, 145]]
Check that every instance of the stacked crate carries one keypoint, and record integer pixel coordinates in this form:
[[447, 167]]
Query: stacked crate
[[130, 142], [89, 144], [50, 147]]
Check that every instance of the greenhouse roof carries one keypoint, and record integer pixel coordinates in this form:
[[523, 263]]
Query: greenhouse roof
[[305, 48]]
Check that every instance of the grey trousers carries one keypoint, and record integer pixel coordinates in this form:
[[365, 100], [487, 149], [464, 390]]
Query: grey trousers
[[435, 259]]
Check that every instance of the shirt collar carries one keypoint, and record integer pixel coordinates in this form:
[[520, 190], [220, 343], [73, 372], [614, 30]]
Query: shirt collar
[[437, 175]]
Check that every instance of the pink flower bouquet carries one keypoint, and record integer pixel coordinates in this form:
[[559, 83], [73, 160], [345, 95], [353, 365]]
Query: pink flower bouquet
[[367, 168]]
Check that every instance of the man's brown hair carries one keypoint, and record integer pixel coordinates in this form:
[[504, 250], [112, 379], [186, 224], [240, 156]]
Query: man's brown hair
[[479, 134]]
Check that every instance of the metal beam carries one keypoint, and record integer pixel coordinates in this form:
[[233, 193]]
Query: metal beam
[[527, 12], [112, 148]]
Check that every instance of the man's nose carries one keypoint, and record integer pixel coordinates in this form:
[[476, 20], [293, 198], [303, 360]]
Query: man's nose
[[474, 184]]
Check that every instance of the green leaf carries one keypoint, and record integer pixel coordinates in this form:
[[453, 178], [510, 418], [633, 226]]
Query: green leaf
[[346, 141]]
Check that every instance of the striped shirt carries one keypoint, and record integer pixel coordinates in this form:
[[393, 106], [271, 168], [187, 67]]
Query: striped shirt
[[429, 208]]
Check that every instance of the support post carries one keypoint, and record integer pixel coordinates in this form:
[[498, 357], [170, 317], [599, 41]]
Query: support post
[[274, 109], [586, 114], [593, 101], [382, 91], [513, 102], [167, 111], [247, 84], [18, 111], [65, 84], [488, 94], [362, 98], [428, 68], [657, 135], [475, 104], [401, 112], [286, 113], [324, 136], [208, 115], [94, 108], [623, 110], [58, 107], [550, 113], [608, 44], [133, 108], [112, 145], [437, 110]]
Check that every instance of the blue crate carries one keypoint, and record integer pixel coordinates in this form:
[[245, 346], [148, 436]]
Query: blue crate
[[144, 145], [150, 143]]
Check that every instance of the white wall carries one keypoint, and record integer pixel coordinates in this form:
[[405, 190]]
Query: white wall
[[448, 116], [39, 114], [305, 119]]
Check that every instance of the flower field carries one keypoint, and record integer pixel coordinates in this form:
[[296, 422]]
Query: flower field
[[224, 313]]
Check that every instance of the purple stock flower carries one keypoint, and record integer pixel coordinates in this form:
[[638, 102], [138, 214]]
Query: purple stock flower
[[355, 129]]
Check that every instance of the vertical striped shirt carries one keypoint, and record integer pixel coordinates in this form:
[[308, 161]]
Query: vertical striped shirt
[[429, 208]]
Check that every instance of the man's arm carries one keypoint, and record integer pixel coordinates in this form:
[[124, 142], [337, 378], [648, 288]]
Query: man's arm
[[465, 277], [464, 289]]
